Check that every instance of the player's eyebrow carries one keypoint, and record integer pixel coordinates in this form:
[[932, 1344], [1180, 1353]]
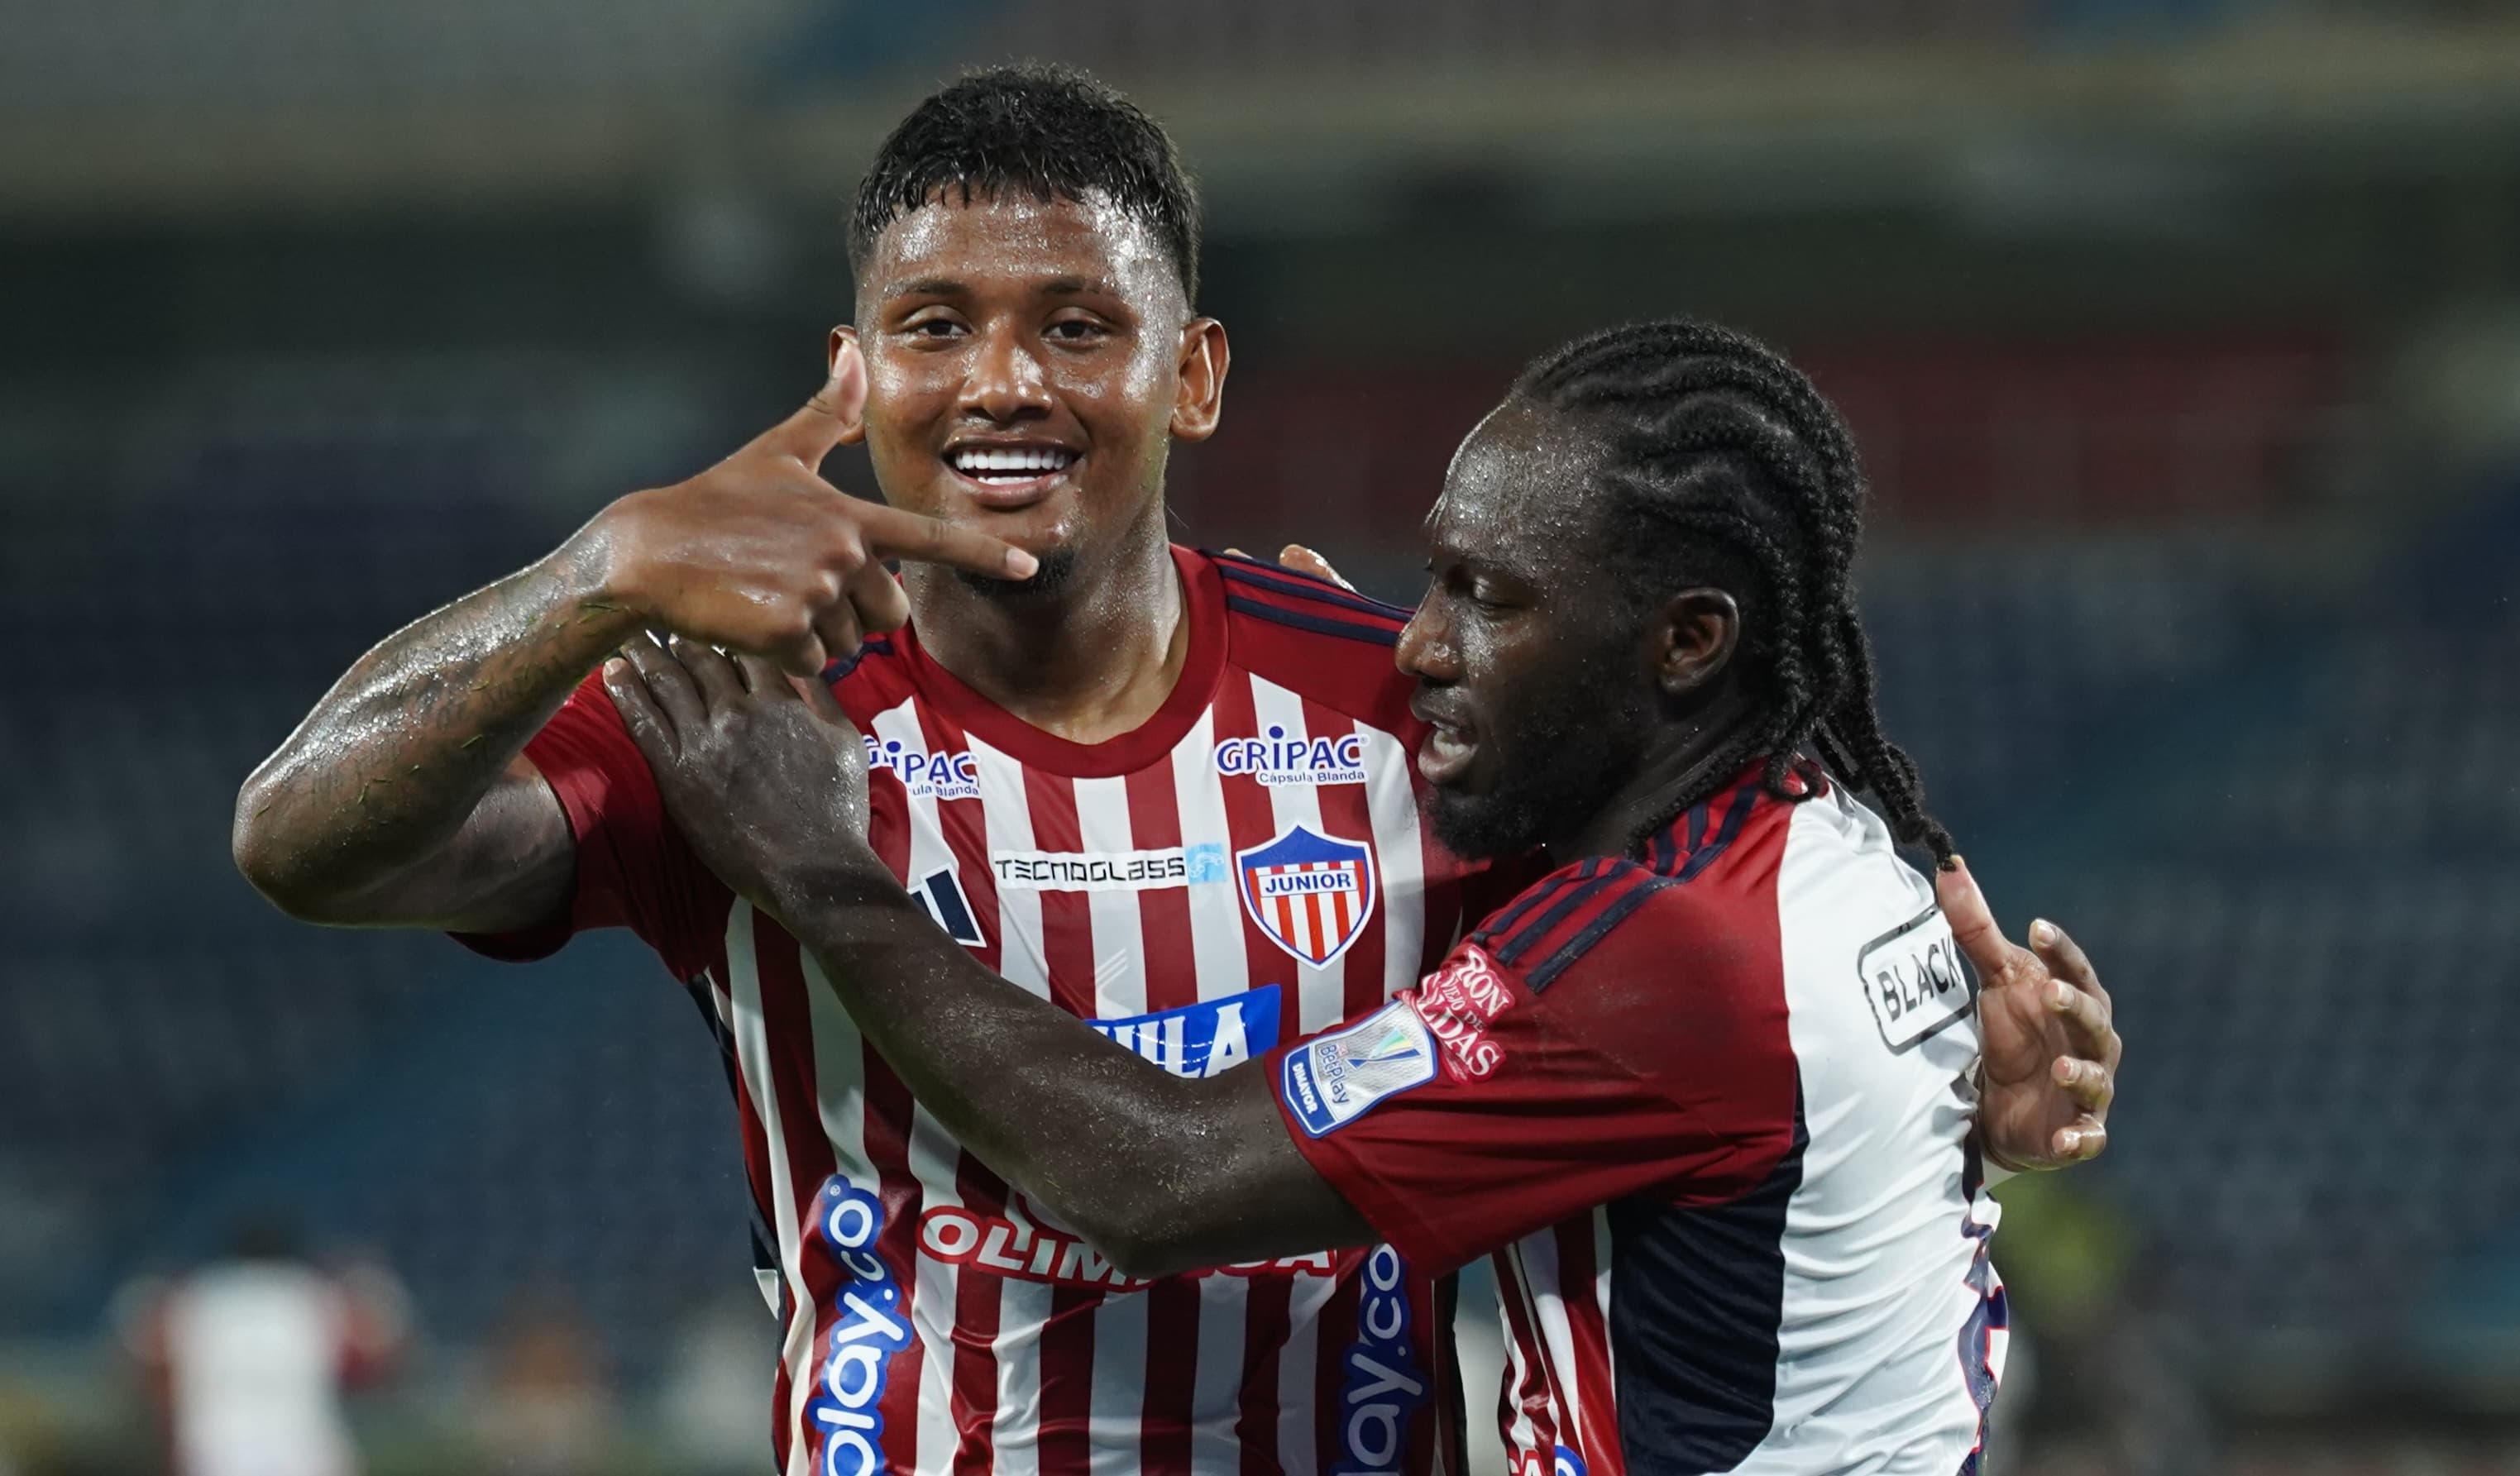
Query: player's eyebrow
[[1079, 287], [925, 287]]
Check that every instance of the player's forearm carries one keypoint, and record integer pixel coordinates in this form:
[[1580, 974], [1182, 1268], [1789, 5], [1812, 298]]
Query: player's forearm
[[387, 770], [1149, 1167]]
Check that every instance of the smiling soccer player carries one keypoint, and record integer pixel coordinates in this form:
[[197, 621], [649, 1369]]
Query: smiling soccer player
[[1167, 793], [1704, 1090]]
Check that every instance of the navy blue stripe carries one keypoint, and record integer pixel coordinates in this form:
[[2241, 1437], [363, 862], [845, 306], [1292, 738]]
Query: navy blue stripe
[[1744, 800], [872, 646], [1531, 897], [1276, 578], [1698, 825], [1301, 621], [1546, 922], [1541, 976], [1694, 1326]]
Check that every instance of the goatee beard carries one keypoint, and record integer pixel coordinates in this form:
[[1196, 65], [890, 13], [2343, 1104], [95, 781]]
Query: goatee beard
[[1057, 568]]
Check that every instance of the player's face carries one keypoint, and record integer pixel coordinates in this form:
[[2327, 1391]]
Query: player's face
[[1027, 364], [1525, 671]]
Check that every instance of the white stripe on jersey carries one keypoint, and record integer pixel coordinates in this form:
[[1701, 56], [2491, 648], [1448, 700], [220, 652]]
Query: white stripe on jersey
[[933, 1155], [1392, 801], [752, 1053]]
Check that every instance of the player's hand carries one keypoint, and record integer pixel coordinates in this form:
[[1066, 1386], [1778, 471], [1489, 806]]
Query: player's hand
[[1304, 560], [2046, 1032], [758, 775], [759, 555]]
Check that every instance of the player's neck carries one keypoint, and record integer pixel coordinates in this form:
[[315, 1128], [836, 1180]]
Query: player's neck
[[1675, 768], [1086, 664]]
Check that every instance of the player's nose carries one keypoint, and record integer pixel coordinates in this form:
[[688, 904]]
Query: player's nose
[[1006, 383], [1425, 649]]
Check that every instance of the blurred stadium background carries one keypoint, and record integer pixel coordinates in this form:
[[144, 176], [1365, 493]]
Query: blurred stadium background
[[2183, 339]]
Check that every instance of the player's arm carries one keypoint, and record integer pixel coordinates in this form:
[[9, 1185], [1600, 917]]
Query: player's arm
[[405, 796], [1159, 1173]]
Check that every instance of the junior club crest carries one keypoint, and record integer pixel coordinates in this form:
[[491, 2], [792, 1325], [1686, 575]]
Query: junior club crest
[[1310, 893]]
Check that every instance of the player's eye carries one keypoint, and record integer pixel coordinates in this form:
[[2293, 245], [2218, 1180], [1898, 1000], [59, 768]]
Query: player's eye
[[1077, 329], [934, 323]]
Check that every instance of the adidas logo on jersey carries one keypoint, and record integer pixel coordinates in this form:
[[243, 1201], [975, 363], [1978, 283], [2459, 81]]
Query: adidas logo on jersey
[[1280, 760]]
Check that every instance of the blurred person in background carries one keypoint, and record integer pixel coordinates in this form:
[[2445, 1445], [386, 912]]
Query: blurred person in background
[[249, 1355], [1705, 1090], [1086, 734], [544, 1405]]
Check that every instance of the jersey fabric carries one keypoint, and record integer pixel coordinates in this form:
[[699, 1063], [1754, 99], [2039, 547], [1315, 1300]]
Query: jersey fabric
[[1249, 866], [1708, 1107]]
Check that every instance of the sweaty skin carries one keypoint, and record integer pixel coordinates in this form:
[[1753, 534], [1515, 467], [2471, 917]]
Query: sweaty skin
[[769, 786]]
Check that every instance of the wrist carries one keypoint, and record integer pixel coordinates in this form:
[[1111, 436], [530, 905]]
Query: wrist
[[840, 875], [599, 573]]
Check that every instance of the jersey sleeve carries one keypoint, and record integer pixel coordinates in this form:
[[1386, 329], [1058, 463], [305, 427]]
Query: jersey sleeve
[[1618, 1037], [634, 869]]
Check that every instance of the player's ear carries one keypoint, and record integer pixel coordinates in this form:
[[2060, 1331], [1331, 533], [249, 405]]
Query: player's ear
[[844, 333], [1693, 637], [1198, 400]]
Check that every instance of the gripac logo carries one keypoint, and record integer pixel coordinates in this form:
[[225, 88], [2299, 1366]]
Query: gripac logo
[[1458, 1002], [1383, 1386], [926, 775], [1203, 1039], [844, 1414], [1917, 980], [1281, 760]]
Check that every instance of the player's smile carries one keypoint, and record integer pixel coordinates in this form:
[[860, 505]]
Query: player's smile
[[1008, 474]]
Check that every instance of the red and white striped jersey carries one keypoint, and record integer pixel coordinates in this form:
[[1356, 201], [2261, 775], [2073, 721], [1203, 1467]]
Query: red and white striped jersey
[[1249, 866], [1708, 1109]]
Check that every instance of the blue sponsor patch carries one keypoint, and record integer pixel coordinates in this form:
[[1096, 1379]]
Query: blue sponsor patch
[[1205, 861], [843, 1415], [1334, 1079], [1383, 1385], [1203, 1039]]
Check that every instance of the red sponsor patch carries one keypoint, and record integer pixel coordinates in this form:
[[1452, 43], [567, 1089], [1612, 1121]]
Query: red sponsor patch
[[1458, 1002]]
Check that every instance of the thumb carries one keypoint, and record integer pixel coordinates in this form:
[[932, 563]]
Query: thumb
[[836, 415]]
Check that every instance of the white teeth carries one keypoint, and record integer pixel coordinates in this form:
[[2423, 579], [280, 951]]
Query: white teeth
[[1012, 463]]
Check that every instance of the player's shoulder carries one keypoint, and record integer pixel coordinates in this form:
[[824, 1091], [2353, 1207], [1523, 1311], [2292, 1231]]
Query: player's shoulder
[[1313, 637], [1705, 881]]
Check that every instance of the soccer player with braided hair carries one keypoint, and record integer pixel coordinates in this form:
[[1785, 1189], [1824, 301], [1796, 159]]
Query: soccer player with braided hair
[[1703, 1091]]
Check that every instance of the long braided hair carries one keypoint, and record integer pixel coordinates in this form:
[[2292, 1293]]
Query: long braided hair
[[1716, 444]]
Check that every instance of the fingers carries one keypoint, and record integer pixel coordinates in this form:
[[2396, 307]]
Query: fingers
[[647, 727], [668, 684], [2083, 1141], [1972, 925], [2065, 959], [719, 684], [891, 533], [834, 414], [2087, 1082], [2088, 1026], [838, 627], [1295, 555], [882, 603]]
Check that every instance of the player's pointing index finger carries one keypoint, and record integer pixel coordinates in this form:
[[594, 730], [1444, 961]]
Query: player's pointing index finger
[[891, 533]]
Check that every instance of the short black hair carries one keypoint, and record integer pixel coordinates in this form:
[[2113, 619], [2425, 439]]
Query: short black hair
[[1046, 131], [1716, 450]]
